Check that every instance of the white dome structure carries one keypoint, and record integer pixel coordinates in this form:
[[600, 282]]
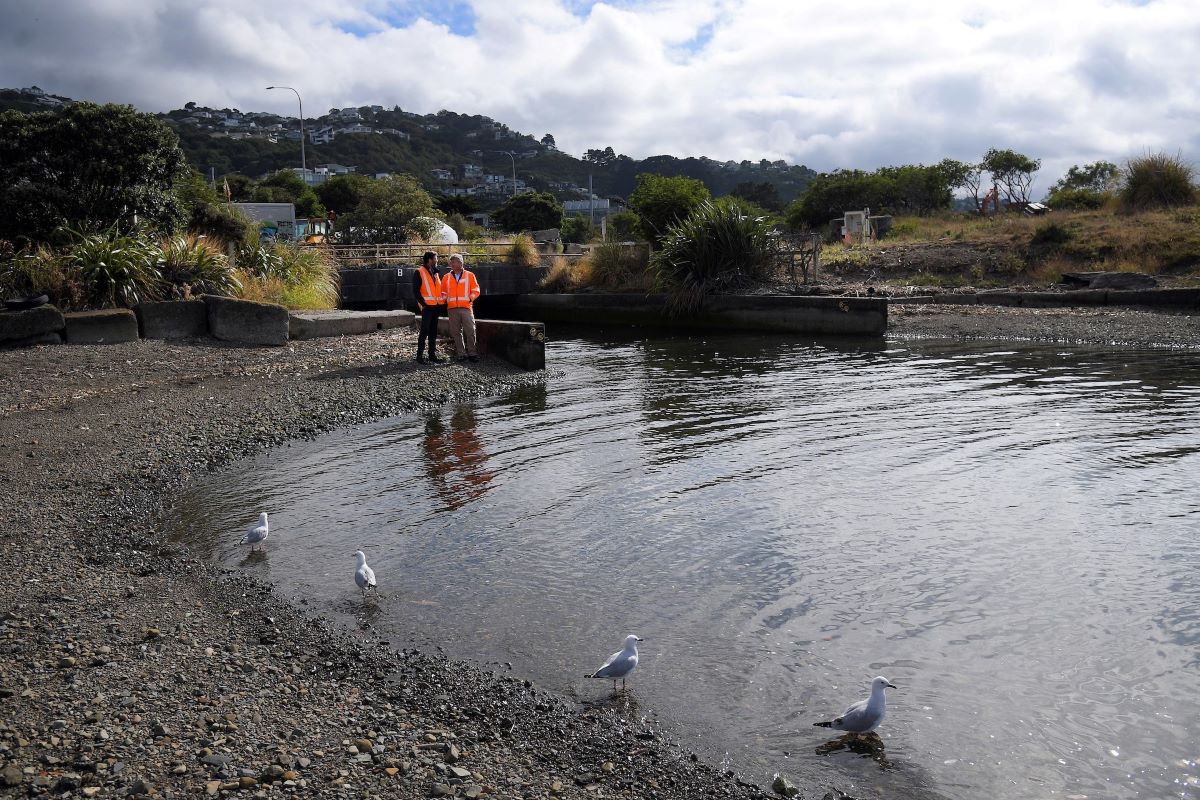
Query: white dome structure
[[441, 232]]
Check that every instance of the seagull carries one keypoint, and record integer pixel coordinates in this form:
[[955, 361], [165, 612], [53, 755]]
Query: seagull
[[620, 663], [865, 715], [364, 576], [257, 534]]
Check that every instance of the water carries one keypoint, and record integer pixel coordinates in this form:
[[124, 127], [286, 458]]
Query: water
[[1010, 533]]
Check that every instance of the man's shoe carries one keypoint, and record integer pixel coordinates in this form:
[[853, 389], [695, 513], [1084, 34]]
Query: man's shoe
[[472, 358], [420, 359]]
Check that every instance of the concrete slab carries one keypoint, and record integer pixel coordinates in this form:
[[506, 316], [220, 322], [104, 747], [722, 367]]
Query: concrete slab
[[319, 324], [19, 328], [522, 344], [249, 323], [182, 319], [105, 326]]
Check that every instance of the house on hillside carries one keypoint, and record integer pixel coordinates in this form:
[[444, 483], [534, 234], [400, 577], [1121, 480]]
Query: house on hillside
[[355, 128], [441, 174]]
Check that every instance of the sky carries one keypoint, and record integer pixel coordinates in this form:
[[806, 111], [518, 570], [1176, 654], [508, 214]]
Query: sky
[[855, 85]]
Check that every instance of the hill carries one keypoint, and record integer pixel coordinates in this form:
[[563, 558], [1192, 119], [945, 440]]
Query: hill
[[448, 152]]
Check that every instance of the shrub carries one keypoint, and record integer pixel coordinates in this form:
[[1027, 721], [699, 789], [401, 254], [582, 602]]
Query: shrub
[[1050, 233], [1157, 180], [221, 222], [613, 265], [715, 249], [523, 252], [1077, 199], [40, 270], [191, 265], [114, 268], [291, 275], [561, 277]]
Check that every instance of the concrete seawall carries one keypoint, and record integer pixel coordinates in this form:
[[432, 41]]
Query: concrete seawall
[[1168, 299], [840, 316]]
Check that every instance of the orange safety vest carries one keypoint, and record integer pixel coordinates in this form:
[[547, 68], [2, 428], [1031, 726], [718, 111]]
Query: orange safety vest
[[431, 288], [460, 292]]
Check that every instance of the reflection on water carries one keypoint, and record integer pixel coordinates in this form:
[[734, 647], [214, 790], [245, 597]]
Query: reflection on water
[[1011, 534]]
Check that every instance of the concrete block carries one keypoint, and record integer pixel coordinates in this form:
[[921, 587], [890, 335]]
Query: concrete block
[[244, 321], [17, 328], [999, 298], [1156, 298], [313, 325], [956, 299], [183, 319], [106, 326], [522, 344]]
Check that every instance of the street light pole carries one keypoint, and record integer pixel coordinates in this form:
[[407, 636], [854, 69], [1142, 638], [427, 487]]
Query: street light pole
[[303, 165], [514, 165]]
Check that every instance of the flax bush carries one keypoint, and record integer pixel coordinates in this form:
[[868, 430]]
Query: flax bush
[[1158, 180], [192, 266], [717, 248], [114, 268]]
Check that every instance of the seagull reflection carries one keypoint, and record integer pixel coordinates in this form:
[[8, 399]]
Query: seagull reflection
[[867, 745], [254, 557]]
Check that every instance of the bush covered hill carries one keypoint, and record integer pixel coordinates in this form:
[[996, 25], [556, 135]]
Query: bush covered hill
[[466, 146]]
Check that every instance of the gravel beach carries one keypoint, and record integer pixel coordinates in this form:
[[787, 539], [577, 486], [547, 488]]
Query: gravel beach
[[128, 667]]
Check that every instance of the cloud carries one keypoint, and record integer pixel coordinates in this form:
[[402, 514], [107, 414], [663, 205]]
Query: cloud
[[881, 82]]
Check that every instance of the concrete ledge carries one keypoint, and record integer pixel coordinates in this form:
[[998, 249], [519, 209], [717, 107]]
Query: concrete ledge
[[319, 324], [21, 328], [248, 323], [106, 326], [956, 299], [522, 344], [183, 319], [53, 337], [843, 316], [1155, 298]]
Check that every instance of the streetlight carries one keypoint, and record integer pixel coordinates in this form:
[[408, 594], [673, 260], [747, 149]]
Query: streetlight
[[514, 163], [303, 165]]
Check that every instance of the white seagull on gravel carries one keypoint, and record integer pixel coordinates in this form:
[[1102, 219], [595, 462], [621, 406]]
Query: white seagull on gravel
[[865, 715], [620, 663], [364, 576], [257, 534]]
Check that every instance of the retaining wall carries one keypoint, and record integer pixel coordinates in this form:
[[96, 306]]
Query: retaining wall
[[1175, 299], [841, 316], [522, 344], [391, 287]]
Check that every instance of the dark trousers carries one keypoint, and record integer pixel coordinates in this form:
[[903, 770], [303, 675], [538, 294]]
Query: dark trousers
[[429, 322]]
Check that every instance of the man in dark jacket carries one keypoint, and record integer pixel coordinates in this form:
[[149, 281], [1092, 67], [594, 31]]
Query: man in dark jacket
[[431, 299]]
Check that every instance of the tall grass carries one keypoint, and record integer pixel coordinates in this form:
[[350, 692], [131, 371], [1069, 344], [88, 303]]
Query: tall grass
[[191, 265], [715, 249], [523, 252], [292, 275], [613, 265], [1157, 180]]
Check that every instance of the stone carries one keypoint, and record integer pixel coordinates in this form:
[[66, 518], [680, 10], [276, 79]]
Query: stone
[[18, 328], [105, 326], [246, 322], [212, 787], [441, 790], [12, 775], [317, 324], [173, 319], [783, 786], [363, 745]]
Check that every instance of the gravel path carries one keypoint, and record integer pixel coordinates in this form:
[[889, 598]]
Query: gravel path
[[128, 667]]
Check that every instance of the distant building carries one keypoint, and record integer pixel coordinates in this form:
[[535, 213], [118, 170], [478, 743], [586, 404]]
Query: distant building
[[441, 174], [599, 206], [356, 128]]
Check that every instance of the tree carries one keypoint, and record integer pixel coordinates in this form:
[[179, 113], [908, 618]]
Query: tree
[[600, 158], [907, 189], [578, 229], [285, 186], [1012, 171], [529, 211], [456, 204], [660, 202], [623, 226], [760, 193], [1087, 186], [87, 166], [341, 193], [385, 207], [241, 187], [548, 140]]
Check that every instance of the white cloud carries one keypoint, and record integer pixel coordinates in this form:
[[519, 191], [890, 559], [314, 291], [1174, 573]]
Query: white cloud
[[873, 83]]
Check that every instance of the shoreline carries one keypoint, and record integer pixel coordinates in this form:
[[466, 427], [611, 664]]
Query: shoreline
[[131, 667]]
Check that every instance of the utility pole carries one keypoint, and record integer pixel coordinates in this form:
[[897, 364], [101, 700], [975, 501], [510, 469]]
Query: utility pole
[[591, 203]]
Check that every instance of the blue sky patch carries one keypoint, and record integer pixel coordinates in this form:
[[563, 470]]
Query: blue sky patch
[[459, 17]]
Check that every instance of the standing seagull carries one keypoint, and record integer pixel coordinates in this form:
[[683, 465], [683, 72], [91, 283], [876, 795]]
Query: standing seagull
[[865, 715], [257, 534], [364, 576], [620, 663]]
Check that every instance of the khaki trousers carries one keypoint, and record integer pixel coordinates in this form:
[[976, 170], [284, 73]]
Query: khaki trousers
[[462, 332]]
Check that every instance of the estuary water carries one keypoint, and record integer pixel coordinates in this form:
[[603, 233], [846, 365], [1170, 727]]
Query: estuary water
[[1010, 533]]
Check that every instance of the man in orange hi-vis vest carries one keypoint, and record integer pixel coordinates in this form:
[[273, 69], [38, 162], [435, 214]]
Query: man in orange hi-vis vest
[[427, 288], [461, 288]]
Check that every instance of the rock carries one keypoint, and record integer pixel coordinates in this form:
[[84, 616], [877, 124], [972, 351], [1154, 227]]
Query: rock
[[106, 326], [212, 787], [272, 774], [139, 787], [182, 319], [19, 327], [783, 786], [246, 322], [472, 791], [363, 745], [556, 787], [608, 766], [459, 772], [68, 661], [441, 790], [12, 775], [452, 754], [246, 782]]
